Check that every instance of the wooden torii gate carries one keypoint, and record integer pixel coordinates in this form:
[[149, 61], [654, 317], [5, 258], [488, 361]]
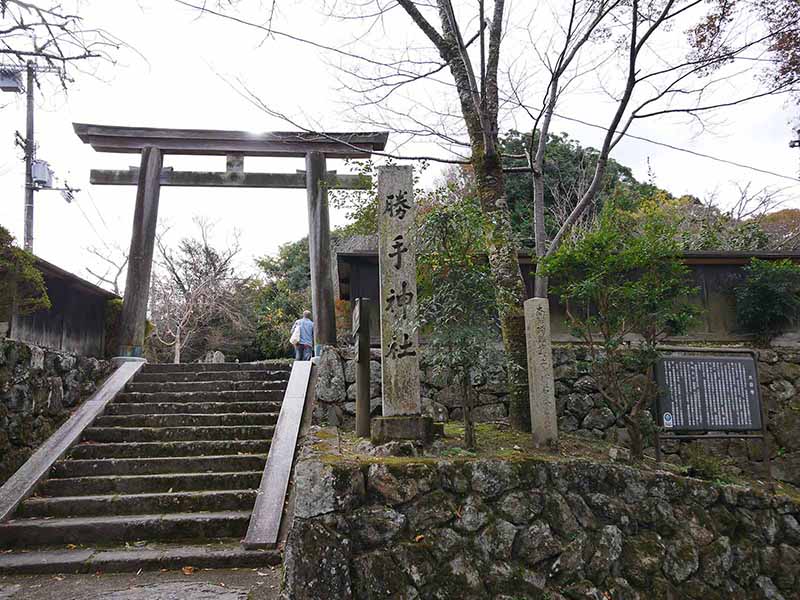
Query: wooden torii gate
[[153, 144]]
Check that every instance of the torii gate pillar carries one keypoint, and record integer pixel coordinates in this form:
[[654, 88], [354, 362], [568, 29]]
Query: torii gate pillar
[[140, 257], [319, 250]]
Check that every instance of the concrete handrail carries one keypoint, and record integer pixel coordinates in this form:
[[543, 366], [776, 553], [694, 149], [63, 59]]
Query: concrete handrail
[[265, 521], [24, 481]]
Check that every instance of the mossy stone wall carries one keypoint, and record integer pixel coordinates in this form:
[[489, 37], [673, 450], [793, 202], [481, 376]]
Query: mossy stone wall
[[39, 389], [541, 528]]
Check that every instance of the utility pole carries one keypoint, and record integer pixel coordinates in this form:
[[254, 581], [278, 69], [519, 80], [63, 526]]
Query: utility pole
[[29, 151], [10, 81]]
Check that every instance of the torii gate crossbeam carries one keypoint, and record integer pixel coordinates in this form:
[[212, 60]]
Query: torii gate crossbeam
[[154, 143]]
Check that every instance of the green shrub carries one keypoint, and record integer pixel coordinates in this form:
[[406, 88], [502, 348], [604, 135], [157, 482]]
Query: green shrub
[[624, 280], [768, 300], [22, 287]]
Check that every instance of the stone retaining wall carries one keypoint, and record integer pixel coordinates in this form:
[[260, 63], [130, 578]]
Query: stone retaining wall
[[441, 397], [38, 390], [537, 528], [581, 408]]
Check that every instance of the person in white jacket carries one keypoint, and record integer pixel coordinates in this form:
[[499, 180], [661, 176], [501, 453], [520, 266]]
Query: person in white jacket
[[303, 332]]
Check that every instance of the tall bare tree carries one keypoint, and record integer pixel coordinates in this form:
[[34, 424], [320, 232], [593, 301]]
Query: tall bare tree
[[194, 285], [114, 261], [54, 33]]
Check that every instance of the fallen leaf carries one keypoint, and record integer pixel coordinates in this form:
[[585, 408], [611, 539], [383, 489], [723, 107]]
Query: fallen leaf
[[188, 570]]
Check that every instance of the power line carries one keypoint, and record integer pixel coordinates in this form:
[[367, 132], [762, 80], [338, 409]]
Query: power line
[[272, 31], [102, 220], [86, 218], [686, 150]]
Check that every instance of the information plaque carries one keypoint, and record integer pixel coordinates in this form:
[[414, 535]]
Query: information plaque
[[708, 393]]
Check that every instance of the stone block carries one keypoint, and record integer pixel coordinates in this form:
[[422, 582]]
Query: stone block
[[489, 412], [599, 418], [438, 412], [350, 371], [330, 379], [451, 396], [410, 427]]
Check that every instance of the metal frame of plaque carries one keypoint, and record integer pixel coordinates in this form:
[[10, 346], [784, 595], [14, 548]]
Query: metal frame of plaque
[[714, 397]]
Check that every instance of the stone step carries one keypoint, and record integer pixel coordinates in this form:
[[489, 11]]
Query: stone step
[[207, 386], [210, 376], [195, 367], [150, 484], [169, 408], [236, 396], [152, 557], [187, 420], [90, 450], [79, 530], [131, 504], [178, 434], [152, 466]]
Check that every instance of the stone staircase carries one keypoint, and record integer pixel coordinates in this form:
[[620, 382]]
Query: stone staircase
[[167, 476]]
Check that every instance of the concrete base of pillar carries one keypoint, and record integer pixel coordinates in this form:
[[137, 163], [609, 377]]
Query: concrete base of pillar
[[407, 427]]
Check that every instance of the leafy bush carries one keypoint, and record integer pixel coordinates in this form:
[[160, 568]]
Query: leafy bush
[[278, 307], [768, 300], [22, 286], [625, 289]]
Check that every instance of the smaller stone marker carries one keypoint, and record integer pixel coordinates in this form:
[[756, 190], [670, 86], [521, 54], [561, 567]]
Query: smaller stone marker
[[361, 336], [541, 383], [397, 261]]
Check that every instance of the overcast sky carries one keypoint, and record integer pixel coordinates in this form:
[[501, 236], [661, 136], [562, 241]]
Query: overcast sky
[[180, 76]]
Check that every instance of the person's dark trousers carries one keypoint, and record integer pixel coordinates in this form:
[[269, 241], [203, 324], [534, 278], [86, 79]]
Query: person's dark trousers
[[302, 352]]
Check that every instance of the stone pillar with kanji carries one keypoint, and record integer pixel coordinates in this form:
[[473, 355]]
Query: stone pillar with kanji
[[544, 416], [397, 259]]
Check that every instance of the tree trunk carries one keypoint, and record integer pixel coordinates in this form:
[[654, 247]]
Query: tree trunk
[[511, 295], [469, 425], [635, 433], [539, 231], [480, 118], [177, 354]]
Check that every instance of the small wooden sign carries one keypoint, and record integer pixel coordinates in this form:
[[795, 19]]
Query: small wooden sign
[[708, 393]]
